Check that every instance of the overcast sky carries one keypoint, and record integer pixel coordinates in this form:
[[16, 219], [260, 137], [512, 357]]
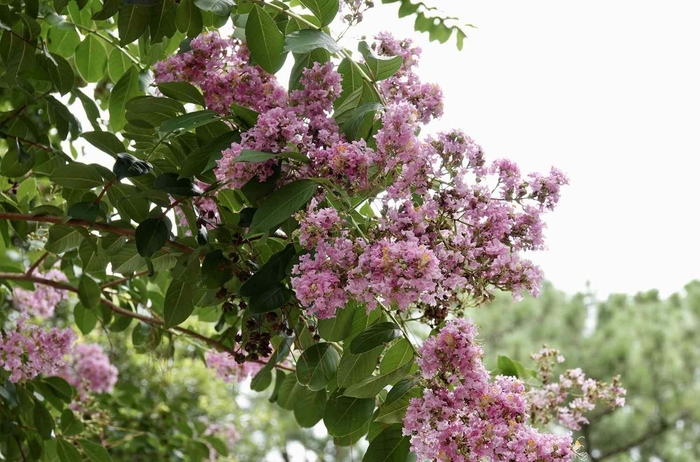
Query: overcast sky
[[609, 92]]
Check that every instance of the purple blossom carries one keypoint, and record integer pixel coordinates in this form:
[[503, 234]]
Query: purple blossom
[[29, 350], [43, 299]]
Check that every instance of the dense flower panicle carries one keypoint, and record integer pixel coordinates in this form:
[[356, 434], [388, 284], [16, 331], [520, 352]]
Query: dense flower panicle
[[221, 69], [461, 222], [463, 416], [226, 367], [89, 370], [322, 276], [345, 163], [553, 401], [43, 299], [405, 85], [29, 350], [401, 272], [321, 87]]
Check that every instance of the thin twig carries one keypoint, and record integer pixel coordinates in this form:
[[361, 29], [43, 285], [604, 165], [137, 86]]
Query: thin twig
[[85, 223], [37, 263], [124, 279], [119, 310]]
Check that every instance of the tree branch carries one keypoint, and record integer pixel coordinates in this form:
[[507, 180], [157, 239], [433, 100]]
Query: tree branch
[[37, 263], [651, 434], [119, 310], [124, 279], [101, 226]]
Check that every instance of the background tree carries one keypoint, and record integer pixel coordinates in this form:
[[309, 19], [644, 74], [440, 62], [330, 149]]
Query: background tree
[[650, 341]]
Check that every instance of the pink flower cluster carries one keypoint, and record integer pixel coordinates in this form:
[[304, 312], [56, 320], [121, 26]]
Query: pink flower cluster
[[302, 124], [29, 350], [43, 299], [450, 223], [554, 402], [221, 69], [228, 369], [89, 370], [464, 416], [405, 85]]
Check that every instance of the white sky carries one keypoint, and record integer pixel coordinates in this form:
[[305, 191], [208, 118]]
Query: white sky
[[609, 92]]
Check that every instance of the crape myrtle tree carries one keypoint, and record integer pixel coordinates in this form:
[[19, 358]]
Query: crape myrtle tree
[[297, 232]]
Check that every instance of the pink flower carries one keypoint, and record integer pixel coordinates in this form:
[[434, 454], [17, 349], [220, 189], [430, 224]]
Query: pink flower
[[43, 299], [28, 350]]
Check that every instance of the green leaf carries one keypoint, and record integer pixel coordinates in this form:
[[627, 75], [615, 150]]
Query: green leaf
[[87, 211], [132, 22], [189, 121], [91, 59], [281, 204], [151, 235], [217, 444], [77, 176], [14, 165], [265, 41], [255, 156], [374, 336], [182, 91], [70, 426], [393, 410], [337, 328], [66, 451], [247, 117], [351, 122], [269, 300], [218, 7], [389, 446], [203, 159], [63, 238], [307, 40], [125, 89], [109, 9], [289, 391], [345, 415], [171, 184], [61, 74], [84, 318], [317, 365], [105, 142], [188, 18], [371, 386], [354, 368], [179, 303], [509, 367], [380, 67], [262, 380], [62, 41], [128, 166], [94, 451], [117, 64], [309, 407], [93, 258], [162, 21], [43, 421], [324, 10], [89, 292], [272, 272], [398, 354]]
